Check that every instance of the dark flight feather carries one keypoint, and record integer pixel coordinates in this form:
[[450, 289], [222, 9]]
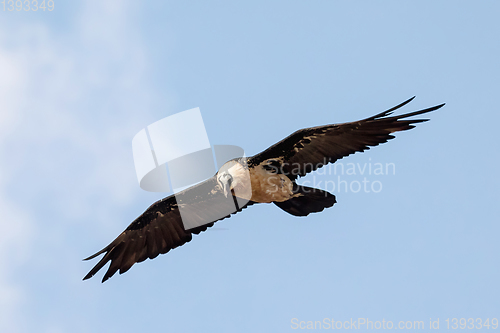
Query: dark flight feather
[[311, 148], [160, 229]]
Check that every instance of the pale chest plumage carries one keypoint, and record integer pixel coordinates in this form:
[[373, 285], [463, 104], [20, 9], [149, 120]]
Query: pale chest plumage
[[269, 187]]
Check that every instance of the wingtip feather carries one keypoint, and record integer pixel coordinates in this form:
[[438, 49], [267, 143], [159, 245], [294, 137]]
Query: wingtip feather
[[391, 110], [96, 254]]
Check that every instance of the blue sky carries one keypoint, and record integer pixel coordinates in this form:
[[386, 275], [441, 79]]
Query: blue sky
[[77, 83]]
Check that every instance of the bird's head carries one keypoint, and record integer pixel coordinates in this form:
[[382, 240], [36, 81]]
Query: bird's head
[[234, 176], [225, 180]]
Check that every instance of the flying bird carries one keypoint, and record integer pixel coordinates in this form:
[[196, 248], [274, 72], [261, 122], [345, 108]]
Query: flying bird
[[268, 177]]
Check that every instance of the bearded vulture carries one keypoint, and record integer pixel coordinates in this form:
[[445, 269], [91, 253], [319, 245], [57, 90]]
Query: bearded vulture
[[268, 177]]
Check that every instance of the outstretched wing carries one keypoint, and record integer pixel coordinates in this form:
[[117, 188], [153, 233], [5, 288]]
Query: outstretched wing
[[311, 148], [160, 228]]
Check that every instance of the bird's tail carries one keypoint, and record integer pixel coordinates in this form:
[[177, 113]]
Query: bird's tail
[[309, 200]]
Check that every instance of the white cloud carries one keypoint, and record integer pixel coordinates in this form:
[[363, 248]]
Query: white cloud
[[17, 232], [70, 103], [15, 226]]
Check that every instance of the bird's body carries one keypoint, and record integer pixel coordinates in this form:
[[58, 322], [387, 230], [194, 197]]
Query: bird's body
[[268, 177], [269, 187]]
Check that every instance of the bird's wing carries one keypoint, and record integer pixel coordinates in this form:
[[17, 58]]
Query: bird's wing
[[311, 148], [160, 228]]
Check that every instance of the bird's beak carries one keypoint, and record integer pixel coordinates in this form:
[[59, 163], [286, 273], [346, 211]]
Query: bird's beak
[[227, 187]]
